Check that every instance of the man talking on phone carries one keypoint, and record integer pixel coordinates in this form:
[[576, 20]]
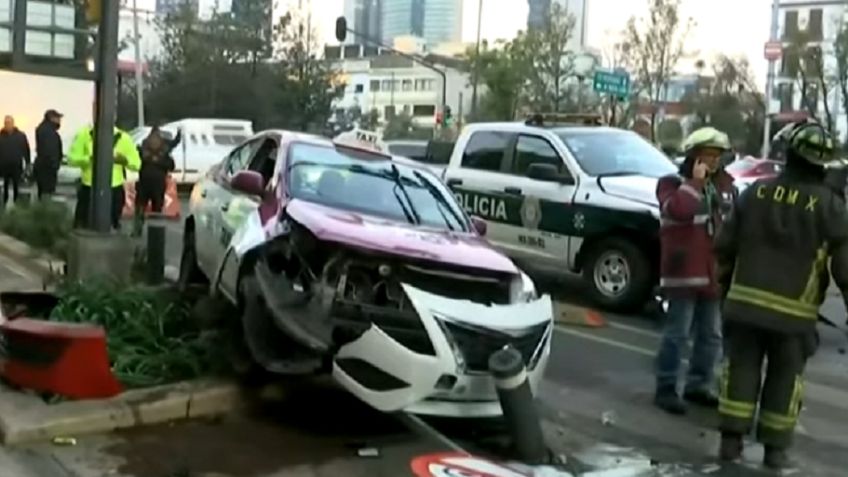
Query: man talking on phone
[[692, 206]]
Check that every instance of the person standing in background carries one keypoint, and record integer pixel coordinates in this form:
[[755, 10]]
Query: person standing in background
[[48, 153], [14, 155], [156, 164]]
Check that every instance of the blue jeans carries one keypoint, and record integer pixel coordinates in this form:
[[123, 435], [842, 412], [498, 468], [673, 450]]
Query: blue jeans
[[699, 318]]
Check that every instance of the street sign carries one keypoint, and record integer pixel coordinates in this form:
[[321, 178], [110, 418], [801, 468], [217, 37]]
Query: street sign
[[612, 82], [773, 50]]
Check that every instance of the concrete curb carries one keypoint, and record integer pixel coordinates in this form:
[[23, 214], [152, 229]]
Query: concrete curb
[[38, 262], [26, 418]]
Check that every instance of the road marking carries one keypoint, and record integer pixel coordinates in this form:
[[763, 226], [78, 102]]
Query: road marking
[[607, 341], [635, 329], [416, 422]]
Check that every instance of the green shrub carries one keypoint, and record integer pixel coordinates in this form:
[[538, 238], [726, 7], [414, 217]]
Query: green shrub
[[45, 225], [151, 337]]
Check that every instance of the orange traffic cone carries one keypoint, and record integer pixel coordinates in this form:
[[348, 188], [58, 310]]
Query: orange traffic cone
[[568, 314]]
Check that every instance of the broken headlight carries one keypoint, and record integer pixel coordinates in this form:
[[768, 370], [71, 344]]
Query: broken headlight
[[522, 289]]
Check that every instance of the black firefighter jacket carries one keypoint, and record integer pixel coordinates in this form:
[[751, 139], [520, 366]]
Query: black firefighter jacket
[[14, 152], [774, 250]]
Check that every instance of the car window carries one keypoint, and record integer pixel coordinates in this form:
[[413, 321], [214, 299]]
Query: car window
[[616, 151], [485, 150], [240, 158], [417, 152], [532, 150]]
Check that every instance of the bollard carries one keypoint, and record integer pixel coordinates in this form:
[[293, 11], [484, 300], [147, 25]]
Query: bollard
[[519, 409], [155, 249]]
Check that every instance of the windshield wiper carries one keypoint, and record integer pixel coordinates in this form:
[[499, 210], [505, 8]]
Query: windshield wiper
[[410, 212], [440, 200]]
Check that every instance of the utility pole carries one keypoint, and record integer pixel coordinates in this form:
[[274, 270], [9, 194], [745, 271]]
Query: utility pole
[[107, 94], [476, 62], [139, 76], [775, 8]]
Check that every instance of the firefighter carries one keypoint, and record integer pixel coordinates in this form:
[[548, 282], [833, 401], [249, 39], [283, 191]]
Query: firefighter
[[81, 155], [773, 256], [692, 206]]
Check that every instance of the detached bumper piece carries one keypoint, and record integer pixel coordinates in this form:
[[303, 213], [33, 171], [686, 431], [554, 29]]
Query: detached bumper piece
[[67, 359]]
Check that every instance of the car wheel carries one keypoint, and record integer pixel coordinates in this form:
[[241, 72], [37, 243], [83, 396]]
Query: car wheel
[[619, 275], [244, 365], [190, 273]]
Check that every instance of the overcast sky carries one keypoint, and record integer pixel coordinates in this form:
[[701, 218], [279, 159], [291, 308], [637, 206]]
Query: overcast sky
[[734, 27]]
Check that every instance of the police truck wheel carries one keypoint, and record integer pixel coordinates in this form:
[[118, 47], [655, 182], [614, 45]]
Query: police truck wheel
[[618, 274]]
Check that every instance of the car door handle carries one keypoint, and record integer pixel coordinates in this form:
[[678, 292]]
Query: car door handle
[[203, 193], [512, 190], [454, 182], [225, 207]]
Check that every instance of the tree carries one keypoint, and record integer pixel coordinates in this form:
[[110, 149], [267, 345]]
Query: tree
[[840, 51], [653, 46], [503, 73], [807, 64], [551, 71], [370, 121], [730, 102]]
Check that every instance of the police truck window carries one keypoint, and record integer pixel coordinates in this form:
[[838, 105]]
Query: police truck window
[[610, 151], [534, 150], [485, 150]]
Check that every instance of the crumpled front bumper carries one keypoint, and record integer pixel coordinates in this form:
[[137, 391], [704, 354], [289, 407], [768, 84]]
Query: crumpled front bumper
[[453, 380]]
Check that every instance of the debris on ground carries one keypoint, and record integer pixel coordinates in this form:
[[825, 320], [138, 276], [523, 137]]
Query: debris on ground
[[608, 418], [64, 441], [368, 452]]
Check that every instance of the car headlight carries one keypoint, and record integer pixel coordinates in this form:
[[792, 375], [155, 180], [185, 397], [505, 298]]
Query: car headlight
[[523, 289]]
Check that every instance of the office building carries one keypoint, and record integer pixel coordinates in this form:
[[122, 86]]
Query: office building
[[540, 12], [436, 21], [366, 18]]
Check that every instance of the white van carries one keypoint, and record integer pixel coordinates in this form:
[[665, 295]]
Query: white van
[[204, 143]]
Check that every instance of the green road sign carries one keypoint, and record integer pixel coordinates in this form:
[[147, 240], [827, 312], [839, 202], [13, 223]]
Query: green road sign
[[612, 82]]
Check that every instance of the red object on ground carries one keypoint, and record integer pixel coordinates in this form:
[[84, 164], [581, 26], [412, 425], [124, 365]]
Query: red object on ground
[[171, 209], [67, 359]]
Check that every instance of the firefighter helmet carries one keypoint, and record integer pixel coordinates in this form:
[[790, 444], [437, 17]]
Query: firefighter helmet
[[704, 138], [809, 140]]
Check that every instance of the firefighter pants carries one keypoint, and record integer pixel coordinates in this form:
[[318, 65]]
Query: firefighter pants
[[780, 397]]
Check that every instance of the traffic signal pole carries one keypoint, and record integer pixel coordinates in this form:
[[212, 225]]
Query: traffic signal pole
[[773, 34], [107, 94]]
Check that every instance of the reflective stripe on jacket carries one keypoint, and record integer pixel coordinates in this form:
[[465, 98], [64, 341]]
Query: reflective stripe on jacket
[[82, 150], [773, 253], [687, 228]]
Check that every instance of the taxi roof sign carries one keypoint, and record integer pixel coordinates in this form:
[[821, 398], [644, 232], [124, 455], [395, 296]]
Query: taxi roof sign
[[362, 139]]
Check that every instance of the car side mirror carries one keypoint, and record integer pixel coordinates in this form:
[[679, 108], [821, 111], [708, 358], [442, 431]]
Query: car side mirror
[[548, 172], [479, 225], [248, 182]]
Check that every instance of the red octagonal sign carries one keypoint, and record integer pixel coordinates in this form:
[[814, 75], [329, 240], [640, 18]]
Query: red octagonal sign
[[453, 464], [773, 50]]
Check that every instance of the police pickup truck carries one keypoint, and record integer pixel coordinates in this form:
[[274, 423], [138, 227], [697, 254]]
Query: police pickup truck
[[567, 199]]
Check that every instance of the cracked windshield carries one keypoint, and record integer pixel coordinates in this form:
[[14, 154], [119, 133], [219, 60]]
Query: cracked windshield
[[424, 238]]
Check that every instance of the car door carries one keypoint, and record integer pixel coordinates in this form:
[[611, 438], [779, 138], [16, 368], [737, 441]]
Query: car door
[[547, 215], [217, 195], [484, 189], [240, 207]]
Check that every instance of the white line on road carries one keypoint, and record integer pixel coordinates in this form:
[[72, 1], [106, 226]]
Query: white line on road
[[634, 329], [414, 421], [607, 341]]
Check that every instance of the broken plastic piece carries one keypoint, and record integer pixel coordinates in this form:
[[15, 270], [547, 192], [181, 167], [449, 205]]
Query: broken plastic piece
[[608, 418], [370, 452]]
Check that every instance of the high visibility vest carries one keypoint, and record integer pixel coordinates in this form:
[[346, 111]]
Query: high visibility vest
[[82, 151]]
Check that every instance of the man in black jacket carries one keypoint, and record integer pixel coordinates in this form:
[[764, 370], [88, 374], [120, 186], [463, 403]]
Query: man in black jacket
[[14, 154], [156, 164], [48, 153]]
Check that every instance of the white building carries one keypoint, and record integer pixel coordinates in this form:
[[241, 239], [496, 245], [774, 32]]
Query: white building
[[391, 85], [821, 21]]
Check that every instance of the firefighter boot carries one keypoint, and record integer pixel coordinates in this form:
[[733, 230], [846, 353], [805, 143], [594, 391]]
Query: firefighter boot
[[776, 458], [731, 446]]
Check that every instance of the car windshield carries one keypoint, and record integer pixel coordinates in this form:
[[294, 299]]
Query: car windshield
[[616, 152], [379, 187], [412, 151]]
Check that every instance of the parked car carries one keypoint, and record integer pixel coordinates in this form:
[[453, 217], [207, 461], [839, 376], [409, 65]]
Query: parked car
[[563, 200], [749, 170], [340, 259]]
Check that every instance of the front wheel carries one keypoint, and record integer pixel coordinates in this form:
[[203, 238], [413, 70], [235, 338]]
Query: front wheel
[[190, 273], [619, 275]]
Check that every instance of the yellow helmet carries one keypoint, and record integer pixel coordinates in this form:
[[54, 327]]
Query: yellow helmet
[[706, 137]]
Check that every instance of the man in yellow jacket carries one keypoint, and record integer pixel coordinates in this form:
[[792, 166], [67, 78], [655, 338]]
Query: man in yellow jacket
[[81, 155]]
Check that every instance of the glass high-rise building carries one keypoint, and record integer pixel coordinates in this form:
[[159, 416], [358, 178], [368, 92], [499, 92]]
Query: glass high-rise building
[[540, 11], [437, 21], [366, 18]]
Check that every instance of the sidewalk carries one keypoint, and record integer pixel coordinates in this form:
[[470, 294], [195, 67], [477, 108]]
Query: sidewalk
[[15, 277]]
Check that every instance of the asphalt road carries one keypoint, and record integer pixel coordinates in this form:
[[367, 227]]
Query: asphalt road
[[596, 399]]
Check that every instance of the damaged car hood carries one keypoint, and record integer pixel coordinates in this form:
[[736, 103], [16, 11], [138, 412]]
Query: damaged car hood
[[382, 235]]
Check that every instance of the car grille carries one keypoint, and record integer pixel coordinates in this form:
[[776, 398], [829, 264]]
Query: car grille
[[477, 346], [460, 286]]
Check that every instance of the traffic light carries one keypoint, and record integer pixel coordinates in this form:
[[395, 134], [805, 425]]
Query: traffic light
[[448, 117], [438, 120], [341, 29], [93, 9]]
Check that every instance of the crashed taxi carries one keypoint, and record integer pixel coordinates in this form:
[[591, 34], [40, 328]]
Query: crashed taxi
[[338, 259]]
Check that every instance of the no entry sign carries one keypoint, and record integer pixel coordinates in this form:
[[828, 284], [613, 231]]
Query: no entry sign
[[773, 50], [453, 464]]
